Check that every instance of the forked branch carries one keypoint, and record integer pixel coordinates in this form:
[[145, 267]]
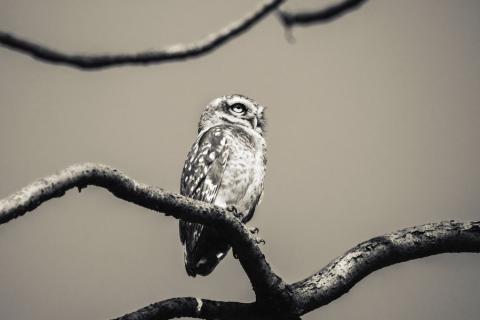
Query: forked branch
[[177, 52], [264, 282], [171, 53], [274, 298]]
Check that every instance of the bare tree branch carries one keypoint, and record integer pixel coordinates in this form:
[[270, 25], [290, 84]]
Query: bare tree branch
[[319, 16], [266, 284], [274, 298], [171, 53], [344, 272], [194, 308]]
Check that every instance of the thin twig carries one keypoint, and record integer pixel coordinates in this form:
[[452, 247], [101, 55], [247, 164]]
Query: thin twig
[[319, 16], [171, 53]]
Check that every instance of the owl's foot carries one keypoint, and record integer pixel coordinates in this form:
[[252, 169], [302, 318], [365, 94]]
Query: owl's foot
[[259, 240], [235, 212], [253, 230]]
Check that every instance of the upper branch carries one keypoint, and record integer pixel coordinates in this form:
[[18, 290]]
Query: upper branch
[[319, 16], [264, 281], [344, 272], [172, 53]]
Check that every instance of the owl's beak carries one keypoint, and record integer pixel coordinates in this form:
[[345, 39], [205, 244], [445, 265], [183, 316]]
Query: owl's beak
[[254, 122]]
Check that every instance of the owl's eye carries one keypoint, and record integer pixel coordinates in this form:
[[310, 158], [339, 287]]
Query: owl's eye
[[238, 108]]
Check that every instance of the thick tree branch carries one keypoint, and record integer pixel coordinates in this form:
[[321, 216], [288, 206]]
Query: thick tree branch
[[275, 299], [266, 284], [194, 308], [172, 53], [319, 16], [344, 272]]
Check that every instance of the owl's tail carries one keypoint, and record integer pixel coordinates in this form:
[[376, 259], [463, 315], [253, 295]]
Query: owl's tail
[[203, 250]]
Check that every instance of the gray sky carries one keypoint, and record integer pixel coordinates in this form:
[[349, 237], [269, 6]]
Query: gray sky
[[373, 126]]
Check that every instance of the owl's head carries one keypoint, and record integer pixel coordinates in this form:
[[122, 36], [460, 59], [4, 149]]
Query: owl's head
[[234, 110]]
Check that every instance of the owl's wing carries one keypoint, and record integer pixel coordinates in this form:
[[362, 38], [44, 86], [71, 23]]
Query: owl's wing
[[204, 166], [201, 179], [250, 212]]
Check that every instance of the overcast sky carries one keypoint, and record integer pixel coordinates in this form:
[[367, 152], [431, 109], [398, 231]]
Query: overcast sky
[[373, 126]]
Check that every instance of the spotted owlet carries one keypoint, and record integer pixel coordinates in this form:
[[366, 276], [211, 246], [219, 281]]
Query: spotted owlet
[[226, 167]]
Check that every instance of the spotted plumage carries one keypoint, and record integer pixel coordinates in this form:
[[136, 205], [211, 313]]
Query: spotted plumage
[[226, 167]]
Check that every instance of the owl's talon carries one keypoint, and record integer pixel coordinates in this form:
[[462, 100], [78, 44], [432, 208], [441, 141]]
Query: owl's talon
[[259, 241], [232, 209], [253, 230], [235, 212]]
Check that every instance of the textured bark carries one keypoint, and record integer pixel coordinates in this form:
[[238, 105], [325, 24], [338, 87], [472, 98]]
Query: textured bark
[[192, 307], [180, 51], [275, 299], [344, 272], [319, 16], [265, 283], [172, 53]]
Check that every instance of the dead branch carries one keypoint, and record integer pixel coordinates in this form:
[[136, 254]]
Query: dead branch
[[265, 283], [172, 53], [194, 308], [340, 275], [274, 298], [319, 16], [177, 52]]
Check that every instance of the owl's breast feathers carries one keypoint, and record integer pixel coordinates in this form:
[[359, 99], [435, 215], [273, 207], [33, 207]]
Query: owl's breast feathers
[[226, 166], [242, 183]]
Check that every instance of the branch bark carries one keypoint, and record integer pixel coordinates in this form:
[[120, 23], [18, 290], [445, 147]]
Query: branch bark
[[171, 53], [319, 16], [275, 299], [180, 51], [194, 308], [340, 275], [267, 285]]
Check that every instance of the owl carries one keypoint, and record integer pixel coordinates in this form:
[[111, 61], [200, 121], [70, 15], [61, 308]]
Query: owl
[[225, 167]]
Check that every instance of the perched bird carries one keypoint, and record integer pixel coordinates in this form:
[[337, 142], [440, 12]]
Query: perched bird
[[225, 167]]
